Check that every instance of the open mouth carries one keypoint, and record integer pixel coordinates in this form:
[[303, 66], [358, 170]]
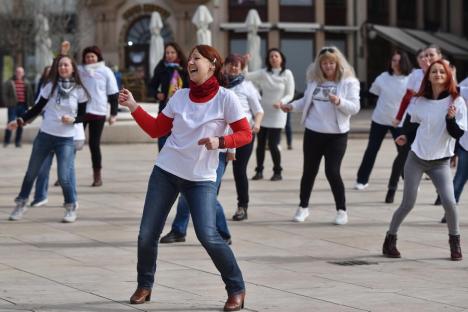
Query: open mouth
[[193, 70]]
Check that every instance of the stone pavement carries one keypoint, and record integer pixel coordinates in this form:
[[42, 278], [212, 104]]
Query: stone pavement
[[90, 265]]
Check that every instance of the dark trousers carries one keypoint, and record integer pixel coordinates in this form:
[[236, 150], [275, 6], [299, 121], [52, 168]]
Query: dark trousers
[[376, 136], [239, 168], [273, 137], [13, 113], [332, 147], [94, 140]]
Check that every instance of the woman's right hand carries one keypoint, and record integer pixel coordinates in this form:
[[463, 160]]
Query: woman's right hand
[[160, 96], [401, 140], [126, 99], [286, 108], [395, 122], [12, 125]]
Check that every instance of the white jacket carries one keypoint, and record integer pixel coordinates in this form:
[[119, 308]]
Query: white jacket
[[348, 92]]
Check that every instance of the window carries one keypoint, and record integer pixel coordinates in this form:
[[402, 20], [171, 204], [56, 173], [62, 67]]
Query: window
[[465, 20], [335, 12], [297, 11], [298, 50], [238, 9], [238, 44], [432, 15], [378, 12], [337, 40], [406, 13]]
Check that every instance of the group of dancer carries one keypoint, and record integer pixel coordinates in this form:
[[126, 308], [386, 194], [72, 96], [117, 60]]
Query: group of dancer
[[210, 106]]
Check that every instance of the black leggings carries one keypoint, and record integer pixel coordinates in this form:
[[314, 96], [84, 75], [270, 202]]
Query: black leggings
[[94, 140], [273, 136], [239, 168], [333, 148]]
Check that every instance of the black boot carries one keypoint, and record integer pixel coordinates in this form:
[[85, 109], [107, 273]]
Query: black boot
[[241, 214], [389, 248], [455, 250], [390, 196], [258, 176], [97, 178]]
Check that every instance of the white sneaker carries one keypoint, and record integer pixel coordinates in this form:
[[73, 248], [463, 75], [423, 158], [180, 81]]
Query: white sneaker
[[301, 214], [70, 214], [360, 186], [18, 212], [341, 217], [39, 203]]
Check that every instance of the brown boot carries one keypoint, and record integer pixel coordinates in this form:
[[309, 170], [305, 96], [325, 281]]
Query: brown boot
[[97, 179], [235, 302], [455, 250], [140, 296], [389, 248]]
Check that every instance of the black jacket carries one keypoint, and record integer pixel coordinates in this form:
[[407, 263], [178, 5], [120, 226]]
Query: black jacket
[[161, 79]]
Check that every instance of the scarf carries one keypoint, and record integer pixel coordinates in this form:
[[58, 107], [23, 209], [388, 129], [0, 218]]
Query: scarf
[[233, 81], [175, 83], [65, 86], [204, 92], [173, 65]]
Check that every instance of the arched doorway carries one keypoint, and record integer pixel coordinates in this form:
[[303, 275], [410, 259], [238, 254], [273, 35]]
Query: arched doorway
[[137, 42]]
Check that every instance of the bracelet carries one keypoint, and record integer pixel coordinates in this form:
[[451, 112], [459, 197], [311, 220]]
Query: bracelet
[[221, 143]]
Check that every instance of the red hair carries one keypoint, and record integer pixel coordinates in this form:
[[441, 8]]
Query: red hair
[[450, 85], [213, 56]]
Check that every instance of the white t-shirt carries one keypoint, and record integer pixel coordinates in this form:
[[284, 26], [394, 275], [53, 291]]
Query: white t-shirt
[[249, 99], [464, 93], [100, 82], [390, 89], [57, 107], [415, 79], [322, 113], [432, 139], [181, 154]]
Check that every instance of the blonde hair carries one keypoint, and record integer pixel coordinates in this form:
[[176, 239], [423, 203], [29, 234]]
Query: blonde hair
[[343, 69]]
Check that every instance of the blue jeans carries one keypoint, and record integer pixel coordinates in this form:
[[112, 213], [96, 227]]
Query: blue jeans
[[42, 181], [13, 113], [461, 175], [180, 223], [64, 148], [163, 188]]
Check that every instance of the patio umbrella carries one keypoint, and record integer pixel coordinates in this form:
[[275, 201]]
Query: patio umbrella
[[202, 19], [252, 22], [43, 52], [157, 42]]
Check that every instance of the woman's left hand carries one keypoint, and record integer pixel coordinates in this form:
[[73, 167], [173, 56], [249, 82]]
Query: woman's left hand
[[452, 111], [277, 105], [334, 99], [230, 156], [211, 143], [68, 119]]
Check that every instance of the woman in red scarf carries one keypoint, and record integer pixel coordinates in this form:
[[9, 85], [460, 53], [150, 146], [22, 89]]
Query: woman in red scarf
[[197, 119]]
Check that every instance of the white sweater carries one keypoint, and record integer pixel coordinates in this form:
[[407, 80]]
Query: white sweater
[[275, 87]]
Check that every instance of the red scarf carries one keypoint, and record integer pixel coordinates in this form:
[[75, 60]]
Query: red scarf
[[204, 92]]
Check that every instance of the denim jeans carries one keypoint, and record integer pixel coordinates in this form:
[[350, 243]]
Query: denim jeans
[[461, 175], [13, 113], [180, 223], [43, 145], [163, 188]]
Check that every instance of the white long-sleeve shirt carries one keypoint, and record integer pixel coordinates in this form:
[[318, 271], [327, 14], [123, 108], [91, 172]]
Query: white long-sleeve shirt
[[275, 87]]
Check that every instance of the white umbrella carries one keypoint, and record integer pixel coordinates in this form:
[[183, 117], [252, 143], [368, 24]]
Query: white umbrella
[[202, 19], [157, 42], [252, 22], [44, 56]]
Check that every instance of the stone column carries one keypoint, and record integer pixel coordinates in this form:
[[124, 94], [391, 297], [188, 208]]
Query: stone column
[[320, 19]]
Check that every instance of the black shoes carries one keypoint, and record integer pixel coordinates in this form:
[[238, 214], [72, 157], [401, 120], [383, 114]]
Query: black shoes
[[443, 220], [241, 214], [390, 196], [389, 248], [257, 176], [276, 177], [172, 237], [437, 201]]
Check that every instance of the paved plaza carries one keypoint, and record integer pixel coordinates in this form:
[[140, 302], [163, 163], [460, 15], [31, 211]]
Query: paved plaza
[[90, 265]]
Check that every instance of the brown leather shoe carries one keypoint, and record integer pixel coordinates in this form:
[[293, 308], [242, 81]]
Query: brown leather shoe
[[140, 296], [235, 302]]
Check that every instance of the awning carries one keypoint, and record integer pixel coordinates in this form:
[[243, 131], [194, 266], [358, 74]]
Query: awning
[[453, 39], [445, 45], [398, 37], [240, 27], [340, 28], [298, 27]]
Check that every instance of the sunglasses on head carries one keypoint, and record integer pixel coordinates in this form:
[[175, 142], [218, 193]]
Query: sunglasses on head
[[324, 50]]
